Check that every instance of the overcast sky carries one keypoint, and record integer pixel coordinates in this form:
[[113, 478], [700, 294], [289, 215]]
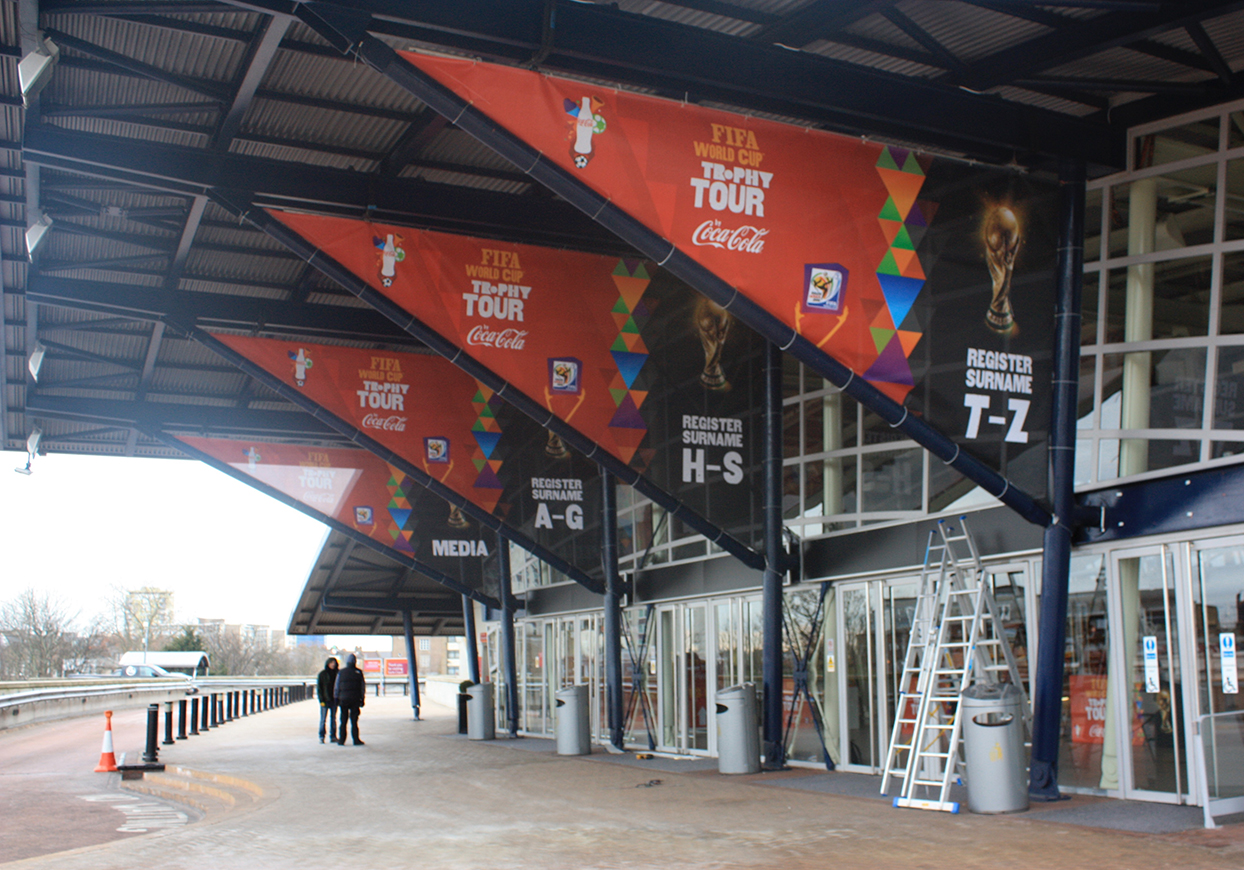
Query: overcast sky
[[81, 524]]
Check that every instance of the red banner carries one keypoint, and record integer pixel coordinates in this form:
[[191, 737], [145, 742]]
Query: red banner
[[454, 429], [920, 274], [809, 224], [396, 668], [365, 494], [660, 377], [419, 406]]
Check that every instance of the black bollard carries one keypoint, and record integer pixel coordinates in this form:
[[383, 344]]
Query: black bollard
[[228, 706], [194, 717], [152, 755], [205, 709], [168, 723], [214, 704], [243, 696], [181, 719]]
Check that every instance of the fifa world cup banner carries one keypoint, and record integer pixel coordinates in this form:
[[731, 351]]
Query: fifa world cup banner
[[455, 430], [932, 279], [661, 378], [366, 494]]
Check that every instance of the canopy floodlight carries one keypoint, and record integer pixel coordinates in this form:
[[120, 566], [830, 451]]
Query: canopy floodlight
[[35, 362], [38, 229], [35, 69], [32, 447]]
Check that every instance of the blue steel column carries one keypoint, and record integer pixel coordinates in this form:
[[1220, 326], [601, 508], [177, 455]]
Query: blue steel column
[[509, 662], [613, 606], [774, 749], [1047, 704], [468, 627], [413, 662]]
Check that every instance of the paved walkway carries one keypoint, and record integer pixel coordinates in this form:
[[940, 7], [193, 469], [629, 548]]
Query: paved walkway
[[418, 795]]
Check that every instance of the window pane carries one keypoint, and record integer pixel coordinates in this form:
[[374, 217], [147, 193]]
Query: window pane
[[1089, 309], [1233, 227], [1180, 299], [1092, 224], [1228, 392], [1084, 393], [1195, 139], [790, 492], [1172, 397], [1178, 208], [1235, 129], [1232, 318], [893, 480]]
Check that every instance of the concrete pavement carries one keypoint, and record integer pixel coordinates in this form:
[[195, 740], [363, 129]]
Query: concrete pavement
[[419, 795]]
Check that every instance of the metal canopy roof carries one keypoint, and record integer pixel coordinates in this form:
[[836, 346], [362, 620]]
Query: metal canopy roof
[[354, 590], [153, 107]]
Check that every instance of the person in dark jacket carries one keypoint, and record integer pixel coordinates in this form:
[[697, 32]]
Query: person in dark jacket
[[326, 683], [351, 692]]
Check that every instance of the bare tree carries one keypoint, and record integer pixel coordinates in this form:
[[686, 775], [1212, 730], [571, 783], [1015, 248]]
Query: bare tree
[[38, 634], [142, 619]]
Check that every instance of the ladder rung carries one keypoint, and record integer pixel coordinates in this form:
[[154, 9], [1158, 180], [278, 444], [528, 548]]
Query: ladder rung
[[914, 804]]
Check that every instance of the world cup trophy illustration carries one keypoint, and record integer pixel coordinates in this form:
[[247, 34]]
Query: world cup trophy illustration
[[712, 322], [456, 519], [555, 446], [1002, 238]]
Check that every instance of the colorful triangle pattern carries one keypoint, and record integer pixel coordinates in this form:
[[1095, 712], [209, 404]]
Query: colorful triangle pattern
[[487, 433], [627, 427], [903, 221]]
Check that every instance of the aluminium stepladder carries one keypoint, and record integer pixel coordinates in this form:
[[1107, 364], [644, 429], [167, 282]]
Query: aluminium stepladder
[[956, 639]]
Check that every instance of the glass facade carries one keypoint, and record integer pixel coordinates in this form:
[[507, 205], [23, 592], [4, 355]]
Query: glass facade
[[1152, 624]]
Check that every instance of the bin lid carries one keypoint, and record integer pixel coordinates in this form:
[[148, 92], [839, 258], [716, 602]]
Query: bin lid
[[732, 691], [570, 692], [1006, 693]]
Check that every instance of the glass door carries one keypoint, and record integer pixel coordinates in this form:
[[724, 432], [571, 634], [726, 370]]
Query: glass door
[[857, 636], [1145, 752], [1217, 634], [683, 661]]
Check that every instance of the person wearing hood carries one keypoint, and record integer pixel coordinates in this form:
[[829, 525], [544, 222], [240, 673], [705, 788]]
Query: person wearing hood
[[326, 684], [351, 694]]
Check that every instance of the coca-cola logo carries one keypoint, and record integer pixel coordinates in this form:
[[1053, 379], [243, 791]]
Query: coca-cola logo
[[748, 239], [504, 339], [388, 424]]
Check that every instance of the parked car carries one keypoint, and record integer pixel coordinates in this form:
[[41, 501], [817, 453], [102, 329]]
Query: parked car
[[146, 671]]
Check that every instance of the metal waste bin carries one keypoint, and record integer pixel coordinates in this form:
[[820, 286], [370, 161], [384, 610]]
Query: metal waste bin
[[481, 722], [738, 733], [574, 726], [993, 748]]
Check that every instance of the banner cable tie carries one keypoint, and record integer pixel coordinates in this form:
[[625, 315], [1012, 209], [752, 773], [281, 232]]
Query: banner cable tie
[[793, 336], [900, 420], [603, 206], [673, 248], [953, 458], [461, 112]]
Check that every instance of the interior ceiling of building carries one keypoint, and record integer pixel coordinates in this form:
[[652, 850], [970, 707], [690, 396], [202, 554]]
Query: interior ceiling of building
[[154, 108]]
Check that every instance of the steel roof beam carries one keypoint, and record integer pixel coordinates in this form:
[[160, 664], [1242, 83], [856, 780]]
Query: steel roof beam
[[260, 54], [598, 40], [211, 89], [275, 183], [217, 311], [211, 420], [1088, 37]]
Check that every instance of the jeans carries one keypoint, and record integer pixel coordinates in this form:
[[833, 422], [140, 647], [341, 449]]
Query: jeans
[[328, 712], [350, 712]]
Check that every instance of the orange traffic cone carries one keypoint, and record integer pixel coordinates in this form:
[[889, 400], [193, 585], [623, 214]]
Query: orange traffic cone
[[107, 758]]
